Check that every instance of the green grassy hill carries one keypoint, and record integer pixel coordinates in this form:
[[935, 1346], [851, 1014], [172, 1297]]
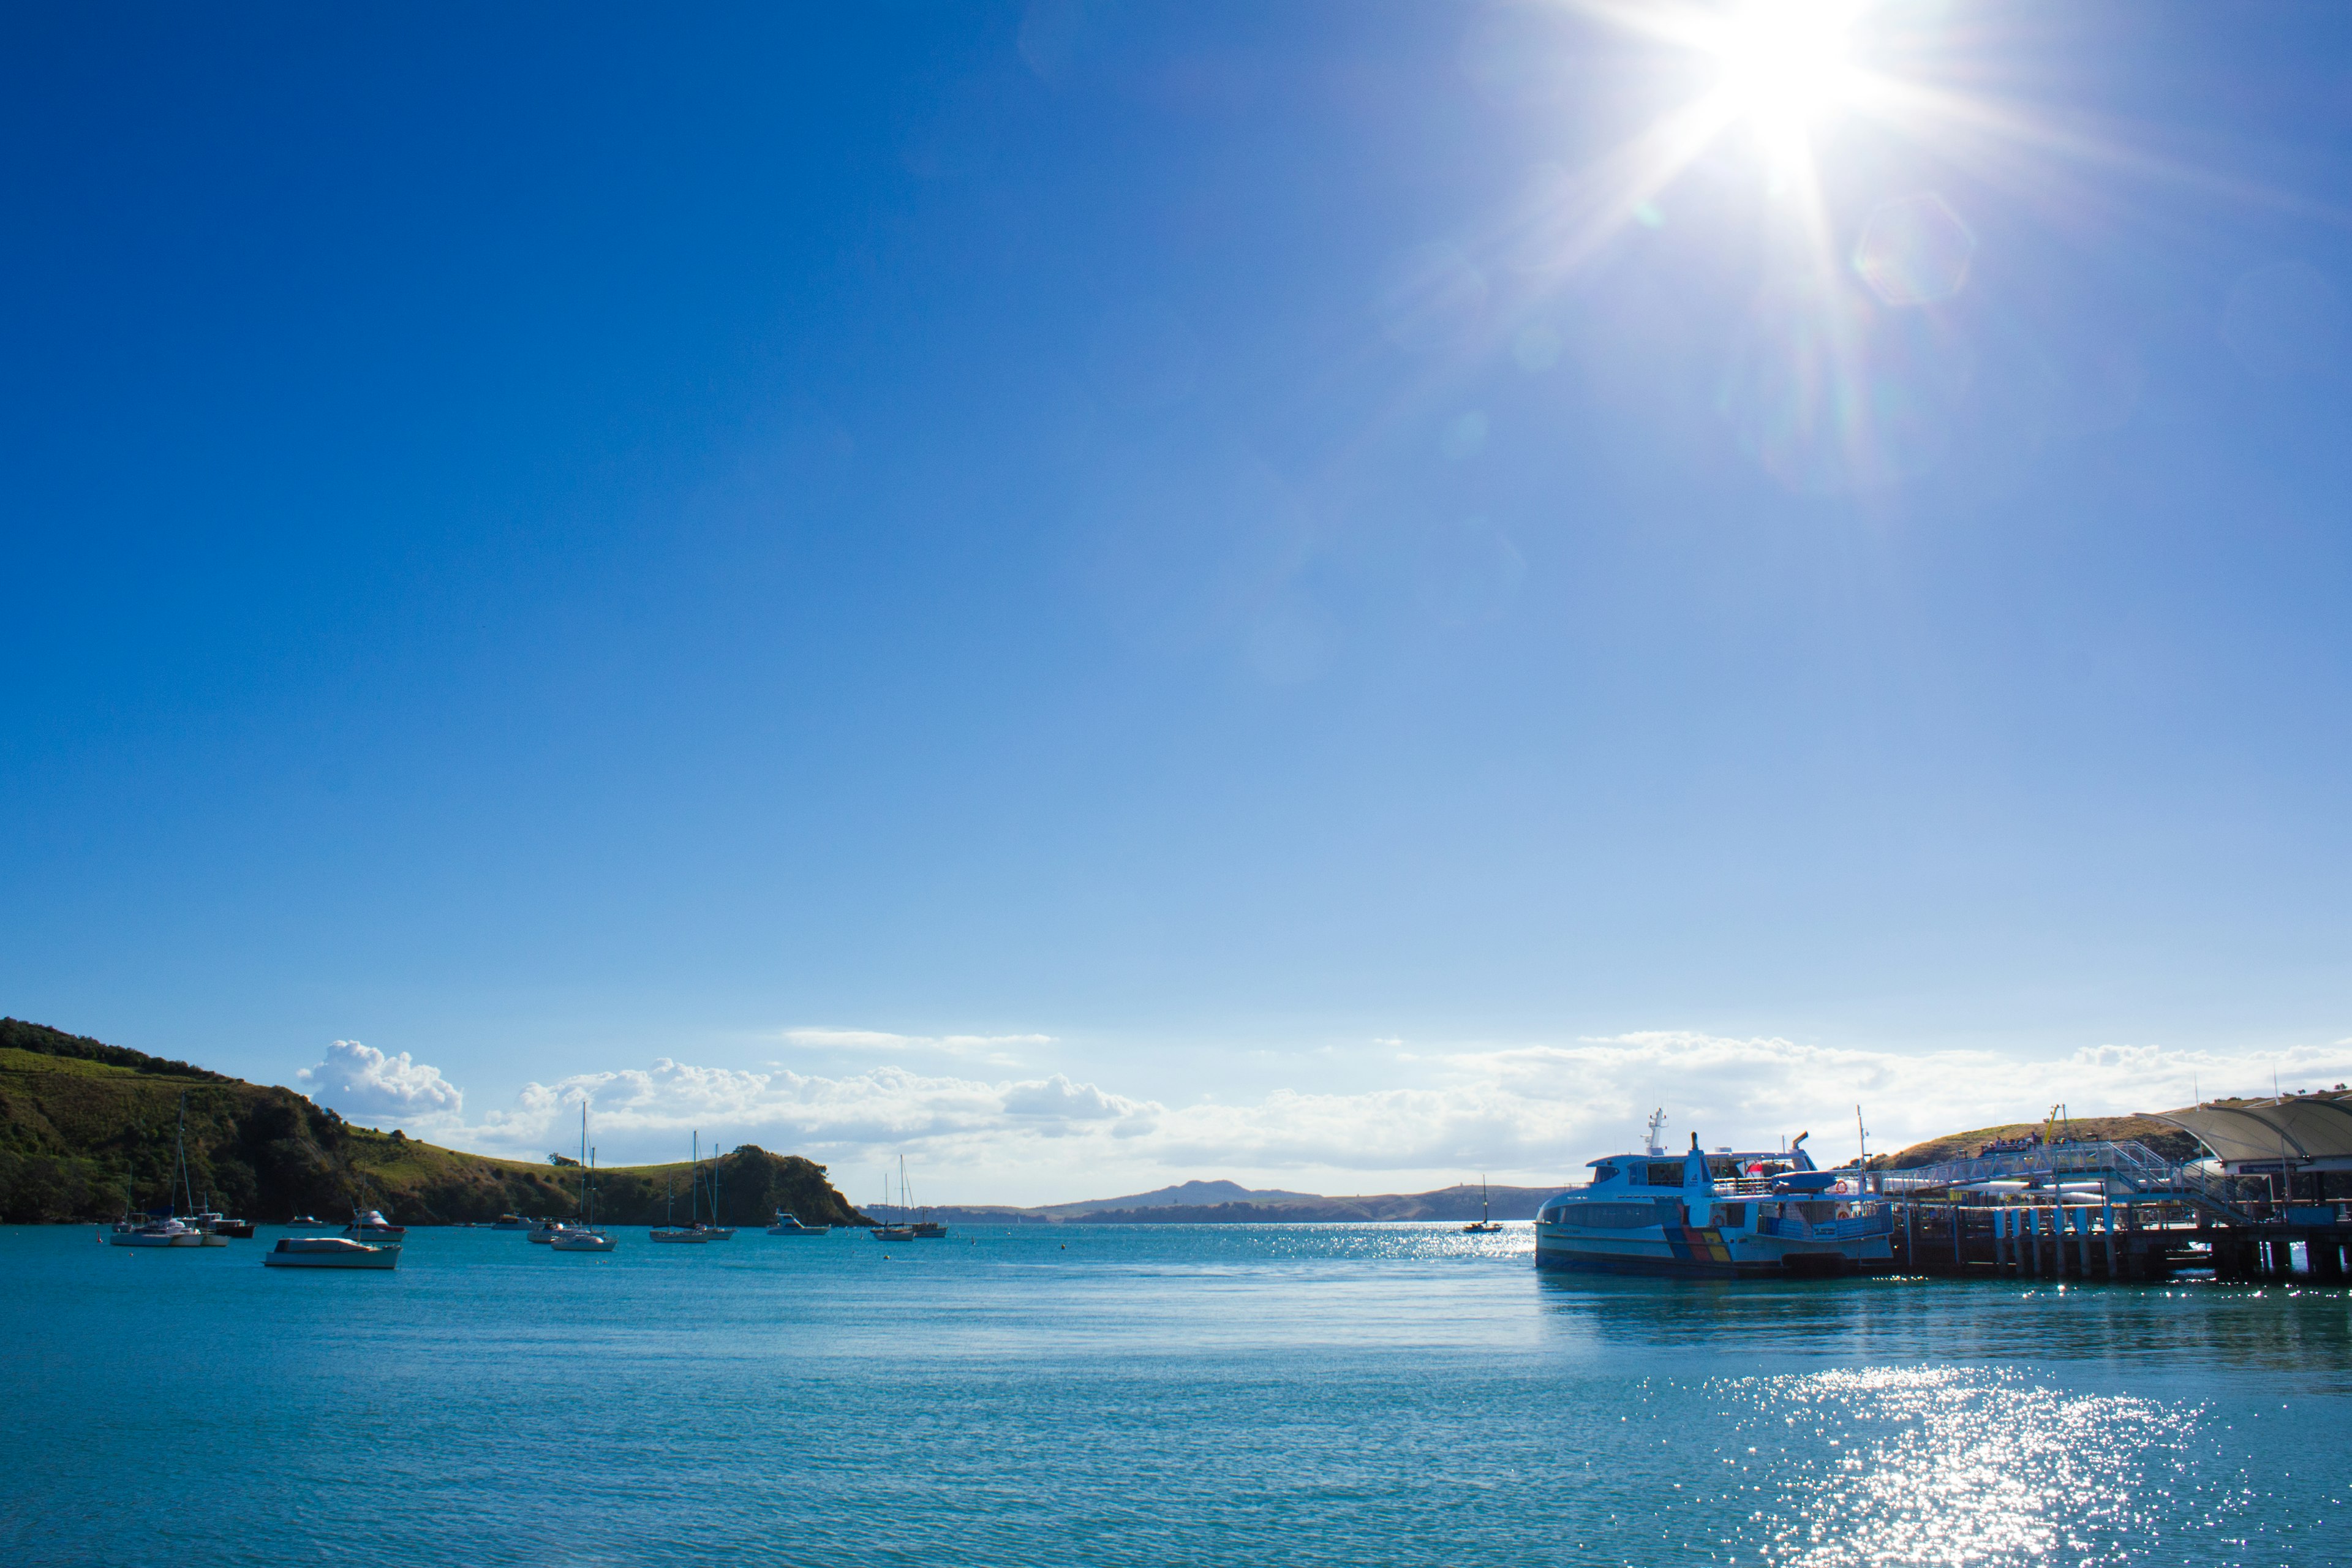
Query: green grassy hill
[[81, 1122]]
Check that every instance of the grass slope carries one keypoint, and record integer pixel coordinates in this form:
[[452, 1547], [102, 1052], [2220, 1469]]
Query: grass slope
[[81, 1122]]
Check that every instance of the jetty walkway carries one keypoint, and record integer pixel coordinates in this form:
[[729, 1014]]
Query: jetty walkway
[[2105, 1211]]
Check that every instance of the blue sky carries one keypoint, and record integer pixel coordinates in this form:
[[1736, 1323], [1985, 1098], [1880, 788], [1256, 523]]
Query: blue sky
[[1126, 592]]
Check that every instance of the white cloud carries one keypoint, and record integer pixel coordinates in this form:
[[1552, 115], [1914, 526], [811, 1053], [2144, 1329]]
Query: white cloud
[[361, 1082], [990, 1048], [1529, 1114]]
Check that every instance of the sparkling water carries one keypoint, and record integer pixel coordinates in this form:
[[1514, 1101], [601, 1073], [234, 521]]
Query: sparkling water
[[1312, 1394]]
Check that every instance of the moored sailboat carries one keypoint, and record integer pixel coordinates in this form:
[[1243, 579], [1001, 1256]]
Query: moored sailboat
[[1485, 1223], [694, 1233], [584, 1236], [163, 1227]]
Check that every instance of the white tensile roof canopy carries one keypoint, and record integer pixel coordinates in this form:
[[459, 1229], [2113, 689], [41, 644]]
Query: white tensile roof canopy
[[2310, 1134]]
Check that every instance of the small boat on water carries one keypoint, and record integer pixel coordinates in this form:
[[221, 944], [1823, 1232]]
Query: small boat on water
[[372, 1227], [513, 1222], [307, 1222], [584, 1236], [1726, 1215], [1485, 1223], [694, 1233], [330, 1252], [908, 1227], [581, 1239], [790, 1225], [159, 1229]]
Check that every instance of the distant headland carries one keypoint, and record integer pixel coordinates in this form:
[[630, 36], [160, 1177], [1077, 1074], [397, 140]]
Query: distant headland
[[81, 1120]]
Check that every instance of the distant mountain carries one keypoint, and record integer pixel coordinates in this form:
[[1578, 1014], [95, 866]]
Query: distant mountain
[[83, 1124], [1229, 1203], [1184, 1195]]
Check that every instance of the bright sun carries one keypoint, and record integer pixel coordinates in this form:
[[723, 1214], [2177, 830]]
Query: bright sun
[[1785, 63]]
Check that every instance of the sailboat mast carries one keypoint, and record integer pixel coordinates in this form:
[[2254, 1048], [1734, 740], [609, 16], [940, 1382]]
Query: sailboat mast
[[186, 1185], [694, 1185]]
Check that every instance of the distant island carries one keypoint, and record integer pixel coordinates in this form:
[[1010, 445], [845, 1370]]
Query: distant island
[[83, 1124]]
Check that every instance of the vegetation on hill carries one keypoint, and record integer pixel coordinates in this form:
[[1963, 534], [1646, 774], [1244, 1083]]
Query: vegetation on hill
[[84, 1124]]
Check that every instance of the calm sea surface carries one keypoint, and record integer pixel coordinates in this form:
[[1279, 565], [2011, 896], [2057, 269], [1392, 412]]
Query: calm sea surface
[[1356, 1395]]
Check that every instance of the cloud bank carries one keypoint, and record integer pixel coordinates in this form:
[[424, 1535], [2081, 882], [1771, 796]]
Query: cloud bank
[[363, 1082], [1531, 1114]]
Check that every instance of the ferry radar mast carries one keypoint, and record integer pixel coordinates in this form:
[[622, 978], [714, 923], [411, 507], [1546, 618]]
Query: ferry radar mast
[[1657, 1129]]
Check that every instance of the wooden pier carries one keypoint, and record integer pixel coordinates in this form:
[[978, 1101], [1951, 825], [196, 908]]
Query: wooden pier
[[2104, 1212], [2121, 1242]]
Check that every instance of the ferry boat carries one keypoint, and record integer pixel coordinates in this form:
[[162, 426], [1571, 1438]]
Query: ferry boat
[[1725, 1215]]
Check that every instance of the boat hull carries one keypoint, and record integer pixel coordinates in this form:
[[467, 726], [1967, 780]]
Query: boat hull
[[313, 1255], [581, 1243], [1705, 1253]]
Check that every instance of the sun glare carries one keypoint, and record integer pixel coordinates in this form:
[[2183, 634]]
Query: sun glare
[[1785, 64]]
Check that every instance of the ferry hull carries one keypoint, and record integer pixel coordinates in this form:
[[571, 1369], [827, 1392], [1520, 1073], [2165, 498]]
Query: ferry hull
[[1700, 1253]]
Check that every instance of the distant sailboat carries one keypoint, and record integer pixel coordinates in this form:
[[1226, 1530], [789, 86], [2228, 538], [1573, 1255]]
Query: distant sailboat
[[892, 1230], [162, 1226], [694, 1232], [1486, 1222], [717, 1232], [584, 1236]]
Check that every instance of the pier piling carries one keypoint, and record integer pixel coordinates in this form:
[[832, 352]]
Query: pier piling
[[2139, 1218]]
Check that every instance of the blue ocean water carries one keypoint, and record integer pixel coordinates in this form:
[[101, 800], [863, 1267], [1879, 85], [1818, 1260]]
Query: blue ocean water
[[1308, 1395]]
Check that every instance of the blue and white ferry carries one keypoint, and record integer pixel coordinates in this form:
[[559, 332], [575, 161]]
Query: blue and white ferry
[[1725, 1215]]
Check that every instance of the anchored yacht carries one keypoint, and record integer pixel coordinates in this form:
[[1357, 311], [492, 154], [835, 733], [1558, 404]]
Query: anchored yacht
[[1726, 1215]]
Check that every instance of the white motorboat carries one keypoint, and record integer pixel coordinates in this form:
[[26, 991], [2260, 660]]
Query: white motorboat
[[331, 1252], [579, 1238], [547, 1230], [372, 1227], [157, 1230], [790, 1225]]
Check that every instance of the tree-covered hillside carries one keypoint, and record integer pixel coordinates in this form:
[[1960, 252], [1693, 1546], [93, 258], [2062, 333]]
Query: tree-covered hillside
[[83, 1123]]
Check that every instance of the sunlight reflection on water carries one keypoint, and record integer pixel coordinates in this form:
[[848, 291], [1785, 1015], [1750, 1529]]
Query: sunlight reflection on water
[[1073, 1395]]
